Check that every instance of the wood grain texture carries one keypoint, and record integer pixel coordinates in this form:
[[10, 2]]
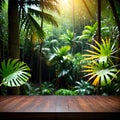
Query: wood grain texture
[[59, 106]]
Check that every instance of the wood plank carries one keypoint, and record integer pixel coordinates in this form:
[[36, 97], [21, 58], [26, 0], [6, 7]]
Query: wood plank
[[57, 107]]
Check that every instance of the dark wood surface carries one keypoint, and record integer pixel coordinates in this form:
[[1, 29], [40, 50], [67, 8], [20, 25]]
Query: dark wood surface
[[54, 107]]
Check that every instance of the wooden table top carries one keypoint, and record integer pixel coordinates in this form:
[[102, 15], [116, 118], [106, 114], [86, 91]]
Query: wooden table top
[[59, 103]]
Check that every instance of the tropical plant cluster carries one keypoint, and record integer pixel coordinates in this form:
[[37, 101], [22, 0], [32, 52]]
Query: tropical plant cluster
[[46, 54]]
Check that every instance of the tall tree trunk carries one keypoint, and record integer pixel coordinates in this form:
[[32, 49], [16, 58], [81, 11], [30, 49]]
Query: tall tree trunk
[[13, 36], [13, 30]]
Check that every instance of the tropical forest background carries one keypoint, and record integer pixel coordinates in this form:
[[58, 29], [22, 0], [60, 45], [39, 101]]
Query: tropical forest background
[[60, 47]]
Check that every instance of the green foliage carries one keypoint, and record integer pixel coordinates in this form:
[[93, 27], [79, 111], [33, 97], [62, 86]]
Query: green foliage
[[62, 60], [89, 32], [64, 92], [116, 88], [101, 69], [31, 17], [117, 3], [111, 89], [101, 73], [3, 28], [14, 73], [78, 60], [29, 89], [47, 88], [69, 38], [29, 14], [60, 53], [103, 51], [83, 88], [35, 27], [46, 17], [77, 63]]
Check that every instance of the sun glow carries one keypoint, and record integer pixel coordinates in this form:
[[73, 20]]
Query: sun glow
[[65, 2]]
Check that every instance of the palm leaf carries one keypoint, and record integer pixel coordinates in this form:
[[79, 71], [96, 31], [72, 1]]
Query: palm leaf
[[97, 43], [88, 32], [84, 36], [92, 52], [100, 73], [37, 29], [14, 72], [96, 81], [47, 17], [47, 4], [94, 47], [102, 69], [95, 26], [50, 5], [89, 28], [101, 51]]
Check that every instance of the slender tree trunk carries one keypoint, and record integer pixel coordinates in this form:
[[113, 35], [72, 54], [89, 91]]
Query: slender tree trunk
[[13, 36], [1, 36], [40, 67], [99, 20], [1, 46], [88, 9], [41, 44], [1, 51], [73, 16]]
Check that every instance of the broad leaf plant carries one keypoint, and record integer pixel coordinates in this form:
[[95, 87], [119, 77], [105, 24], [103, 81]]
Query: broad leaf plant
[[14, 73]]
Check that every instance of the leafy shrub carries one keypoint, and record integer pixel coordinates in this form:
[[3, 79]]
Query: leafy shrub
[[64, 92], [29, 89], [111, 89], [83, 88], [47, 88]]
